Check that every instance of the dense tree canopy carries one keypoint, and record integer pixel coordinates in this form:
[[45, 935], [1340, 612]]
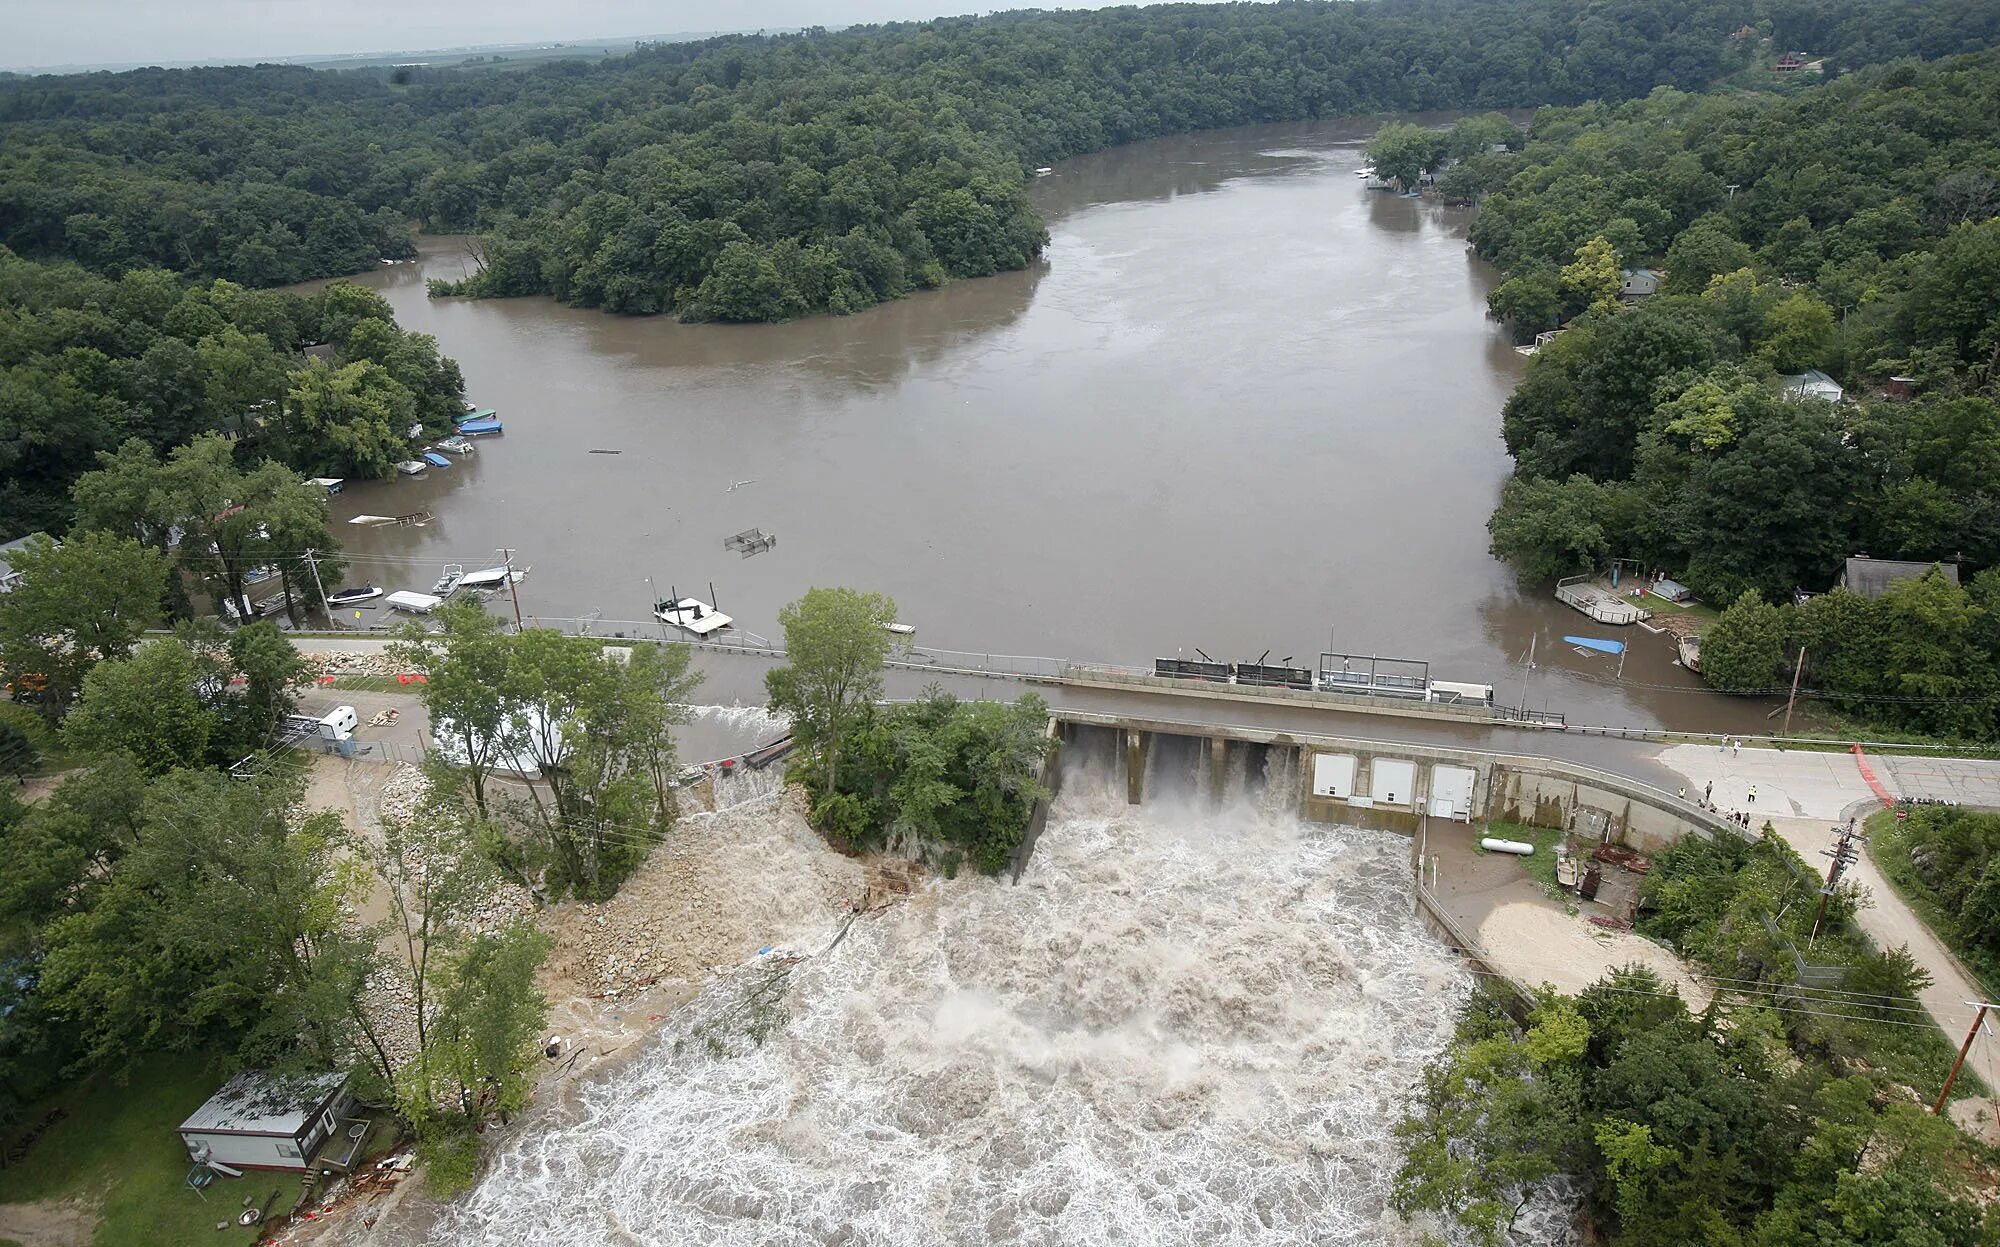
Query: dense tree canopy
[[760, 177], [91, 363], [1860, 239]]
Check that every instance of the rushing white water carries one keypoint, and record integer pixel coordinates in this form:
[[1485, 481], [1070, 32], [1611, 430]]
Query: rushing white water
[[1187, 1025]]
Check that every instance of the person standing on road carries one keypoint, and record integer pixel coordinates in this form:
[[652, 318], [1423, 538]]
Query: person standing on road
[[1739, 747], [1708, 793], [1753, 794]]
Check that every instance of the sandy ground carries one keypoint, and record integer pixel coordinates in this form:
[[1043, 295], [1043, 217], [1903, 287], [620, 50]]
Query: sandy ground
[[1529, 935], [47, 1223]]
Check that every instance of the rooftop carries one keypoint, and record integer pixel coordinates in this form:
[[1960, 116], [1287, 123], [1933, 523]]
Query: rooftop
[[1871, 578], [260, 1102]]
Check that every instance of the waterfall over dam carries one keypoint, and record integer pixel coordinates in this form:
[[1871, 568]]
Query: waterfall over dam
[[1193, 1021]]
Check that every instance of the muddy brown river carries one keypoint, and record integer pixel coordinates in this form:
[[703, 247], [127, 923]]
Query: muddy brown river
[[1244, 405]]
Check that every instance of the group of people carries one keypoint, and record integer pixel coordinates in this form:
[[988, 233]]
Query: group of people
[[1707, 799]]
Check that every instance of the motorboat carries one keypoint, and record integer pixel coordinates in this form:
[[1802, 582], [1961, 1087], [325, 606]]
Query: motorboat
[[483, 426], [901, 629], [353, 596], [457, 445], [436, 460], [413, 467], [691, 615], [448, 582]]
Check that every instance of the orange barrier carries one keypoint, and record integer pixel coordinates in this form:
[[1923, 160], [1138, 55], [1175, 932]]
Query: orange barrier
[[1874, 784]]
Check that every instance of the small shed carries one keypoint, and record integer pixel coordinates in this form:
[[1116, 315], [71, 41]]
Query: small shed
[[1671, 590], [1638, 283], [1871, 578], [262, 1120], [1812, 383]]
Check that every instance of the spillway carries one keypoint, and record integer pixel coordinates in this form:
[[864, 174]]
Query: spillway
[[1192, 1022]]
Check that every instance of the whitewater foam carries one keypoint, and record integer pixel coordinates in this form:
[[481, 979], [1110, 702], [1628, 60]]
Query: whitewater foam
[[1185, 1026]]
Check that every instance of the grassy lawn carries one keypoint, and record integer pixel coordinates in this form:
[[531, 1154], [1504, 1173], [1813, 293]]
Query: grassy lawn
[[371, 684], [1890, 848], [1541, 864], [1661, 608], [118, 1148]]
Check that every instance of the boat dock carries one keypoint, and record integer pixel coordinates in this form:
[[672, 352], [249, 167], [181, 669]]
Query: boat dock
[[1595, 598]]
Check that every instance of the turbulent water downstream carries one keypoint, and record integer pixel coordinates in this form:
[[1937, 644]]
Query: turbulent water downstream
[[1186, 1025]]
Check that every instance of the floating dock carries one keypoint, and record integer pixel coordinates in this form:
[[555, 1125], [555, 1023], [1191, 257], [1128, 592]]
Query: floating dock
[[1600, 601]]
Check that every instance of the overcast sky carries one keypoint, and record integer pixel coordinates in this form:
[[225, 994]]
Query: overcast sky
[[41, 33]]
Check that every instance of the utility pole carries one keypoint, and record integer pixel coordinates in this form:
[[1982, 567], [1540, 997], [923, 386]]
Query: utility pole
[[1797, 670], [1529, 674], [1844, 853], [312, 561], [511, 590], [1963, 1048]]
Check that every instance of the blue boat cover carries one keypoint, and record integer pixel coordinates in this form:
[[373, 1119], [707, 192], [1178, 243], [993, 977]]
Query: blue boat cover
[[483, 425], [436, 460], [1602, 647]]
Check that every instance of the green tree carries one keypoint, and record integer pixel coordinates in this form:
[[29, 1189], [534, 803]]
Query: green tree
[[273, 672], [1797, 333], [1702, 250], [1744, 650], [1403, 153], [347, 421], [1551, 529], [837, 641], [464, 662], [76, 605], [1591, 282], [148, 706]]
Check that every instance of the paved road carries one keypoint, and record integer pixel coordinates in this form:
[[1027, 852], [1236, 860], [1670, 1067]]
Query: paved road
[[1805, 795]]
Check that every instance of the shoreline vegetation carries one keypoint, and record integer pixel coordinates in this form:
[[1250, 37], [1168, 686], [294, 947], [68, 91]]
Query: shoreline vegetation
[[765, 177], [1767, 347]]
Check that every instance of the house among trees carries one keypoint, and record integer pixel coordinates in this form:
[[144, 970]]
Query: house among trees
[[1871, 578], [261, 1120], [1638, 283], [1790, 63], [1812, 383], [9, 577]]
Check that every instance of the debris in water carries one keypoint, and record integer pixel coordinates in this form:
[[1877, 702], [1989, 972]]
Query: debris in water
[[750, 541], [607, 452]]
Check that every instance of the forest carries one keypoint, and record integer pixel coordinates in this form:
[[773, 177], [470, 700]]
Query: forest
[[1847, 228], [146, 363], [759, 178]]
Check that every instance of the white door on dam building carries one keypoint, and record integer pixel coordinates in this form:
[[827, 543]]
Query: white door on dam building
[[1451, 791], [1333, 775], [1392, 781]]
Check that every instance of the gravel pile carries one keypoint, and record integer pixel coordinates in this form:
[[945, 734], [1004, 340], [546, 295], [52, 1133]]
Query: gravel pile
[[722, 886], [348, 662]]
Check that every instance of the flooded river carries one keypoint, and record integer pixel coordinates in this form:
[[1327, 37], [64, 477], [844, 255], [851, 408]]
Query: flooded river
[[1190, 1024], [1243, 405]]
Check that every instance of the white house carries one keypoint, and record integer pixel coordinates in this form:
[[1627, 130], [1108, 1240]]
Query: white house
[[261, 1120], [1812, 384]]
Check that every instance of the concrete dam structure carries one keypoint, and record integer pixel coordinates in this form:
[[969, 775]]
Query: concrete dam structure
[[1381, 785]]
